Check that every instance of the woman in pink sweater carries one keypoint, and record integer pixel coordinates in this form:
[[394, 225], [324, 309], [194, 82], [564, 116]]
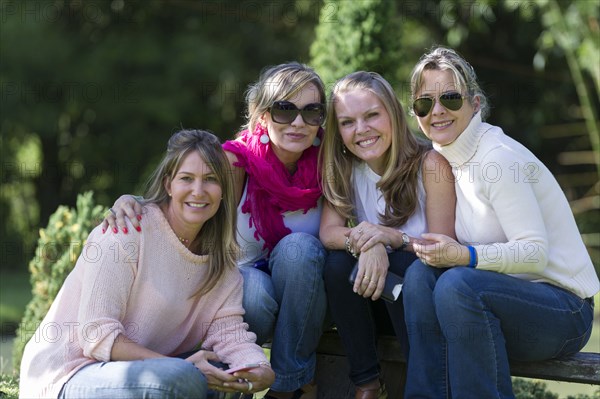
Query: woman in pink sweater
[[134, 303]]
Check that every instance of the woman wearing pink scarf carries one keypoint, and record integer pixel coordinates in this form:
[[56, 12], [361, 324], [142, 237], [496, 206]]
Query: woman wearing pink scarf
[[279, 209], [279, 213]]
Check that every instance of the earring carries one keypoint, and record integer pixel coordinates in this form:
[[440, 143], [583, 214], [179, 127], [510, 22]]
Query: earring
[[264, 138], [262, 133], [316, 141], [344, 149]]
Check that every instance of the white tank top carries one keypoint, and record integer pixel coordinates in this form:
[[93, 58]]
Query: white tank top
[[252, 250], [366, 194]]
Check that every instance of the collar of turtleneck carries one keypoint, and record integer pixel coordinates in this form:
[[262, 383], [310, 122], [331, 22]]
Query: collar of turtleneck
[[461, 150]]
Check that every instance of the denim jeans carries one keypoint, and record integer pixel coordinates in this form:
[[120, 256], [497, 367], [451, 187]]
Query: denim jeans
[[289, 307], [465, 324], [151, 378], [355, 316]]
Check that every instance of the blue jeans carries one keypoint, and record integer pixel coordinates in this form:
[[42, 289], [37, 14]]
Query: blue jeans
[[465, 324], [288, 307], [152, 378], [357, 319]]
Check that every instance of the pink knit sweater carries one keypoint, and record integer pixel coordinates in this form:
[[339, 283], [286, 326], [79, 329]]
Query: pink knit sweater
[[138, 285]]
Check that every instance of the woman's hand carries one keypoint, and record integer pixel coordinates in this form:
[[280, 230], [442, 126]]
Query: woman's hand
[[254, 380], [126, 205], [372, 269], [366, 235], [215, 377], [257, 379], [441, 251]]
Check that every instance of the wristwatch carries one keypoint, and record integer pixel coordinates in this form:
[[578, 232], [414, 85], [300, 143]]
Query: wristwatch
[[405, 241]]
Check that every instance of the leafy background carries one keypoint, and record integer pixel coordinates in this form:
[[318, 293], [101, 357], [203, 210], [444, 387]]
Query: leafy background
[[91, 90]]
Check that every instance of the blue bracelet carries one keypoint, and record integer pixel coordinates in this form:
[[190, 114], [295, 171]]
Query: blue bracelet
[[472, 257]]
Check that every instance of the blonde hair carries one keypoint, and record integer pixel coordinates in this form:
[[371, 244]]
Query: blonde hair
[[217, 237], [403, 159], [442, 58], [280, 82]]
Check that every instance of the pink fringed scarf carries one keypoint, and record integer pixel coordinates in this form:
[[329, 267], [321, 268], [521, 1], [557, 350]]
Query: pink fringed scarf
[[272, 191]]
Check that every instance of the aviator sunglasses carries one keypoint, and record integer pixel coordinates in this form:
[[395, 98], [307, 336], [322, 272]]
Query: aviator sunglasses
[[451, 100], [286, 112]]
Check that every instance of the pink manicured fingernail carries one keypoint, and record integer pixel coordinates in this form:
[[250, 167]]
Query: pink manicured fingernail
[[103, 230], [125, 230], [139, 217], [115, 230], [138, 228]]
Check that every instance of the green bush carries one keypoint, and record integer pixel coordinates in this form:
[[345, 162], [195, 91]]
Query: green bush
[[59, 246], [528, 389], [358, 35], [9, 387], [525, 389]]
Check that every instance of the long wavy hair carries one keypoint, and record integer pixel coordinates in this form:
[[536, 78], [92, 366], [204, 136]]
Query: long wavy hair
[[442, 58], [403, 159], [217, 237]]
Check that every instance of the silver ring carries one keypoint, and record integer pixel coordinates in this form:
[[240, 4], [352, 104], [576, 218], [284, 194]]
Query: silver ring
[[112, 211], [360, 231], [250, 386]]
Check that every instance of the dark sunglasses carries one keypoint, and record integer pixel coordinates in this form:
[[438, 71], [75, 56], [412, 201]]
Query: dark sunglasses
[[285, 112], [451, 100]]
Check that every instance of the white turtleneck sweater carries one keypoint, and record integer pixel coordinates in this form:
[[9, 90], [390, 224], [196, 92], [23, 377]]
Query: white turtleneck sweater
[[512, 210]]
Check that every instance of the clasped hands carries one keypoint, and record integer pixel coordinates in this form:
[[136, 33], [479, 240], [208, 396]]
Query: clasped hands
[[369, 241]]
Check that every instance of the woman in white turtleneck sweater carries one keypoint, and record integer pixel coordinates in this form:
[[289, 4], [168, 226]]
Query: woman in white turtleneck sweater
[[519, 282]]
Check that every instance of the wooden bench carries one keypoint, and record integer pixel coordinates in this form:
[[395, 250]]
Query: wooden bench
[[332, 368]]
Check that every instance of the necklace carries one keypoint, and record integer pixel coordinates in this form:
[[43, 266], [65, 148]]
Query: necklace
[[185, 241]]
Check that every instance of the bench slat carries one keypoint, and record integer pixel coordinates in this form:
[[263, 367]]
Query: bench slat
[[583, 367]]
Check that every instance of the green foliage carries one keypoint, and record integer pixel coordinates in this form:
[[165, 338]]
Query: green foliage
[[15, 294], [59, 246], [99, 86], [19, 212], [540, 78], [572, 29], [356, 35], [91, 90], [9, 387], [527, 389], [595, 395], [533, 389]]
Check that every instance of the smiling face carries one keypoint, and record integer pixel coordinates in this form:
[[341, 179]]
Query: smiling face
[[365, 126], [442, 125], [289, 140], [195, 196]]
